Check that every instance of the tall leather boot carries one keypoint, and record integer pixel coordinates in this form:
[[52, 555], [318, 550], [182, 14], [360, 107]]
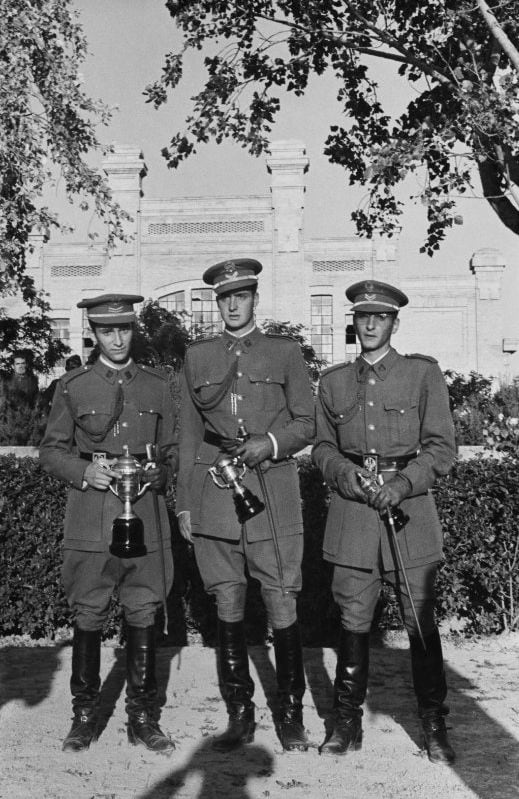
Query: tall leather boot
[[84, 685], [351, 680], [141, 691], [291, 687], [431, 690], [236, 686]]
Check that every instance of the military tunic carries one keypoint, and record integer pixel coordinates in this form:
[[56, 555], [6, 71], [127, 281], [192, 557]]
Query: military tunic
[[100, 409], [258, 381], [397, 407], [270, 392]]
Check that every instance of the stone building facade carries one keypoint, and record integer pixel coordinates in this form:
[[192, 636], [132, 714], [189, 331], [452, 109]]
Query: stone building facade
[[455, 317]]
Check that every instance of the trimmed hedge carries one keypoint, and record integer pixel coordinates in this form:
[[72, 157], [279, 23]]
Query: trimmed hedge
[[477, 584]]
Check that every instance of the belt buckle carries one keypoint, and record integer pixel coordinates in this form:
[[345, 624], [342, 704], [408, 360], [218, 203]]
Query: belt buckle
[[370, 461], [97, 456]]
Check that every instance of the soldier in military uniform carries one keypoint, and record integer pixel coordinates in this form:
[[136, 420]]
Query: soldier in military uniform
[[385, 416], [96, 412], [246, 381]]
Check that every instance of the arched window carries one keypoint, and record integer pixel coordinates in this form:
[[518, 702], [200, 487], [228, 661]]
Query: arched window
[[198, 306]]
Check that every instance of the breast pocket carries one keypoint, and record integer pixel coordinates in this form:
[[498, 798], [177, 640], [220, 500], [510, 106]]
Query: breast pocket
[[148, 423], [208, 386], [267, 388], [402, 420], [95, 420], [347, 421]]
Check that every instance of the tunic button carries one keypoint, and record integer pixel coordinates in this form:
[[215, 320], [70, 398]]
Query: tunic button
[[373, 450], [268, 379], [124, 424], [238, 352], [239, 397], [402, 410], [371, 426], [240, 421], [371, 403], [341, 416], [372, 381], [239, 374], [120, 382], [93, 411]]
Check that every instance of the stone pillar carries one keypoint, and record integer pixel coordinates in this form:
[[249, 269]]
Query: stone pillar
[[287, 165], [34, 259], [487, 266], [125, 169]]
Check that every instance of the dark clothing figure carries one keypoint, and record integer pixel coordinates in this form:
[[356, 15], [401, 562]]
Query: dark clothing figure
[[245, 380], [20, 389], [384, 418], [47, 395], [98, 413]]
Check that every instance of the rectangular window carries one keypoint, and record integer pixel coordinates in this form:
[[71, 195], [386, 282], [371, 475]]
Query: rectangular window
[[321, 313], [352, 348], [61, 332], [206, 317]]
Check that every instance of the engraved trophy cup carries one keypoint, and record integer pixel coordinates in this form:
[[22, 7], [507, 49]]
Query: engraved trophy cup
[[127, 528], [227, 473]]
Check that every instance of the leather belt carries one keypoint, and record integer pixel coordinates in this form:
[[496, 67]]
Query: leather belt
[[110, 456], [219, 441], [383, 464]]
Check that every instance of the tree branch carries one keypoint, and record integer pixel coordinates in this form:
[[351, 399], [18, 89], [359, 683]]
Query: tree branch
[[498, 33]]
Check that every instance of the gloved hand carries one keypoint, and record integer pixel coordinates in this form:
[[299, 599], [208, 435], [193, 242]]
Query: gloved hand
[[256, 449], [156, 476], [391, 493], [348, 484]]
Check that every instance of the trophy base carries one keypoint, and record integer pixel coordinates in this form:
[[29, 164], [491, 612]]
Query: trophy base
[[247, 506], [128, 538]]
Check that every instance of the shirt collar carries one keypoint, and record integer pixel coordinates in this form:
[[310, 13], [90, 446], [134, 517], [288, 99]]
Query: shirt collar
[[243, 342], [126, 373], [381, 367]]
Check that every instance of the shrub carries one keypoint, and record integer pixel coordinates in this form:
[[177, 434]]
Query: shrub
[[477, 583], [31, 517]]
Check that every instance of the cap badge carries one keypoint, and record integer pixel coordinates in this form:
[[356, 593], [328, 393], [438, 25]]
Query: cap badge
[[369, 286], [230, 271]]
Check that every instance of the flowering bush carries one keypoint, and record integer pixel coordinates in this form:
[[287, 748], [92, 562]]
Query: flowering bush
[[502, 434]]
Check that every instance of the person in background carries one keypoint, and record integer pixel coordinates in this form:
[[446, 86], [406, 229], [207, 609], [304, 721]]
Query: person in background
[[21, 386], [47, 395]]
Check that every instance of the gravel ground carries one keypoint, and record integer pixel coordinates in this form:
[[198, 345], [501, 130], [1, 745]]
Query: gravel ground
[[484, 722]]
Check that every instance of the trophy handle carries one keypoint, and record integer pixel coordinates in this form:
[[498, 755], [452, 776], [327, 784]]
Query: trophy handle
[[213, 471], [142, 490], [113, 490], [214, 474]]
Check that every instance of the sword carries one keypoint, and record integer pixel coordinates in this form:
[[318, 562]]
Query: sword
[[242, 436], [150, 455], [369, 487]]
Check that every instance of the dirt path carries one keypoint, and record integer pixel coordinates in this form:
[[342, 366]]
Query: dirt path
[[484, 700]]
